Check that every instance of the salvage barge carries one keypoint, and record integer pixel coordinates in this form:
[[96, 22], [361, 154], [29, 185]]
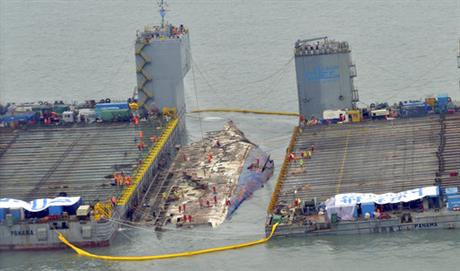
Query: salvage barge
[[80, 170], [351, 170], [208, 181], [67, 175]]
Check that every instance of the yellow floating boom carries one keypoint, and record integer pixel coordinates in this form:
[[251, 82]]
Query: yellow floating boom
[[235, 110], [84, 253]]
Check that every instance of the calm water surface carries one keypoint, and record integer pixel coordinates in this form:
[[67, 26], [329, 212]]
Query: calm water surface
[[242, 51]]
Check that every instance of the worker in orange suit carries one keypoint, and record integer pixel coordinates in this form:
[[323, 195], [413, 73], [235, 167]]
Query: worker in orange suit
[[117, 178], [128, 180], [209, 157], [140, 146], [154, 139]]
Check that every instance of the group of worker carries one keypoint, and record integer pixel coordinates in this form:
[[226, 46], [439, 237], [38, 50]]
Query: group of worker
[[306, 154], [119, 178], [207, 203], [183, 209], [186, 218], [307, 122], [139, 143], [50, 118], [215, 144], [168, 31], [176, 31]]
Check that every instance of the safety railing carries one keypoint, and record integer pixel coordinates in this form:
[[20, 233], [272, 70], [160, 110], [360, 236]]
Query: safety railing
[[283, 172], [147, 163], [140, 69], [103, 210]]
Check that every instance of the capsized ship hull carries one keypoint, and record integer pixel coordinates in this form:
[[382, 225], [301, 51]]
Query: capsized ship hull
[[251, 180], [209, 180]]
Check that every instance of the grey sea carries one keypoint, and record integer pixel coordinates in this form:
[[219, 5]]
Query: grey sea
[[242, 58]]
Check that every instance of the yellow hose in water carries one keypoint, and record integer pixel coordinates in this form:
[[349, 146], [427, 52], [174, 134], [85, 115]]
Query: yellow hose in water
[[235, 110], [84, 253]]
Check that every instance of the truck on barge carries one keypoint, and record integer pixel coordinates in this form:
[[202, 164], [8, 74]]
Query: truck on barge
[[77, 169], [351, 170]]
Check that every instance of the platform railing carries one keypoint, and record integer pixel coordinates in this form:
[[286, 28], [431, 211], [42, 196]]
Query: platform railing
[[148, 163], [103, 210], [283, 171]]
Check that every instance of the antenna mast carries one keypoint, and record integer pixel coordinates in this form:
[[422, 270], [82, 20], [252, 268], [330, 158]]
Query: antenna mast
[[458, 54], [162, 5]]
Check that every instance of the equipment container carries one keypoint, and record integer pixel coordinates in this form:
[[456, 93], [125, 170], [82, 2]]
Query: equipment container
[[17, 214], [3, 212], [368, 208], [55, 210]]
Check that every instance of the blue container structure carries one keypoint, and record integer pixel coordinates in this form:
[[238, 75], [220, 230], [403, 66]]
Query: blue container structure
[[368, 208], [55, 210], [453, 201], [25, 117], [112, 106], [414, 109], [16, 213], [72, 210], [112, 111], [3, 212], [451, 190], [442, 102]]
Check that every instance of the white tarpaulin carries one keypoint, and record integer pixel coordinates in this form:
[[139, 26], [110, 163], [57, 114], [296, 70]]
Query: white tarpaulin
[[38, 204], [405, 196], [344, 212]]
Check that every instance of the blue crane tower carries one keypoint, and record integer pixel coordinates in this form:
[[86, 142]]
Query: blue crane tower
[[162, 61], [325, 73]]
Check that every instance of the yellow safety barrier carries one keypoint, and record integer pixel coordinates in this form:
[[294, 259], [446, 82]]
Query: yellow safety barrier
[[235, 110], [85, 253], [128, 191], [283, 172], [102, 209], [133, 106]]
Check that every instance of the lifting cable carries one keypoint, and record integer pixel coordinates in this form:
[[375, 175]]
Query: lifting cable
[[85, 253], [413, 83], [196, 98], [273, 76]]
